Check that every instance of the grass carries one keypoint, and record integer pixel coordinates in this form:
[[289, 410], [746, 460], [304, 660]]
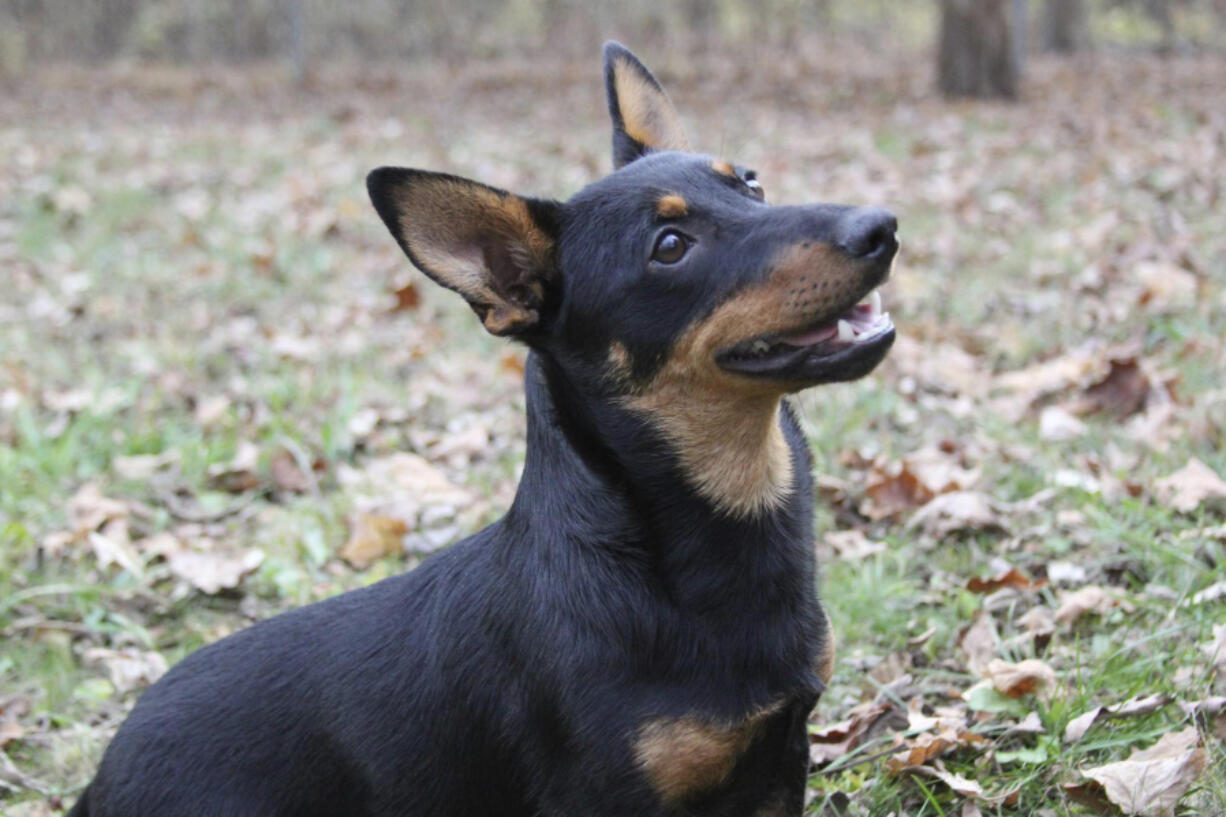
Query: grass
[[184, 281]]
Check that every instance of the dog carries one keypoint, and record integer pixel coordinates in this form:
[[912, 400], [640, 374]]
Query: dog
[[641, 634]]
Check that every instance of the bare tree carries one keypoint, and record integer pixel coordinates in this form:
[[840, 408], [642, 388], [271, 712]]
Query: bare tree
[[1066, 26], [976, 55]]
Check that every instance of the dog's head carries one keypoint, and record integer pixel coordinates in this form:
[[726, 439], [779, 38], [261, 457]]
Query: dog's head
[[670, 285]]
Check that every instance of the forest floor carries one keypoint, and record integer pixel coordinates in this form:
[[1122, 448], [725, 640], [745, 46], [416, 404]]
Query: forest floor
[[225, 393]]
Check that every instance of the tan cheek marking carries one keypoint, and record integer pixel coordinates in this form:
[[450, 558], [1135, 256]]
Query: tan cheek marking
[[684, 756], [724, 168], [671, 206], [648, 117], [725, 429]]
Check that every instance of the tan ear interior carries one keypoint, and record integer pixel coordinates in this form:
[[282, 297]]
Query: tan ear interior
[[648, 116], [448, 225]]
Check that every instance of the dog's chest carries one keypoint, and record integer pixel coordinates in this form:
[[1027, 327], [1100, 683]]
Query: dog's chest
[[686, 756]]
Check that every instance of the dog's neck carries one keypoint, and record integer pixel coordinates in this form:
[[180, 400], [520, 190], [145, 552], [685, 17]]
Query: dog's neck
[[597, 461]]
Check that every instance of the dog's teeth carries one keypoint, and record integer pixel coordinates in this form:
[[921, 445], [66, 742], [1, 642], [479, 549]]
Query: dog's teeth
[[846, 332], [760, 347], [874, 303]]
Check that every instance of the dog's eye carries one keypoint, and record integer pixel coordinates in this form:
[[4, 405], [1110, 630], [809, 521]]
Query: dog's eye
[[755, 186], [670, 248]]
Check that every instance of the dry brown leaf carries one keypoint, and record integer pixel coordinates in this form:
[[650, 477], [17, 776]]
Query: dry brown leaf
[[1209, 714], [239, 475], [1088, 599], [959, 784], [1052, 376], [1164, 287], [12, 708], [1190, 486], [408, 298], [1139, 705], [1038, 621], [290, 475], [829, 743], [918, 751], [1058, 425], [1213, 592], [130, 668], [373, 537], [1009, 577], [852, 544], [979, 642], [211, 571], [1027, 677], [1121, 393], [1215, 650], [954, 512], [89, 510], [1151, 782]]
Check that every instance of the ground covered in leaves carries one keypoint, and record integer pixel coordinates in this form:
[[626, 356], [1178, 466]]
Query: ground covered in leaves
[[224, 393]]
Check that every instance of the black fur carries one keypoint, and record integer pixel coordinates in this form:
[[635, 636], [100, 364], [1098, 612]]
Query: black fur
[[510, 675]]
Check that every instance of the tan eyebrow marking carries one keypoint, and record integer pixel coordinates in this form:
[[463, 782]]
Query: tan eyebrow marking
[[671, 206], [726, 168]]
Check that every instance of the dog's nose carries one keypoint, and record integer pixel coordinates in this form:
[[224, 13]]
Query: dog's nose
[[868, 232]]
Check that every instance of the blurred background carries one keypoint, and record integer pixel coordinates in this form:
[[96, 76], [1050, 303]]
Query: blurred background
[[224, 392]]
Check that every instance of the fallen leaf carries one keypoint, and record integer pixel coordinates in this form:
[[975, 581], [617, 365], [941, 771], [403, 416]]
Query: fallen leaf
[[1086, 600], [1211, 593], [408, 298], [130, 668], [852, 544], [1038, 621], [211, 571], [1139, 705], [1151, 782], [1058, 425], [1209, 714], [1121, 393], [919, 751], [89, 510], [1165, 287], [12, 708], [954, 512], [373, 537], [1027, 677], [1215, 650], [1190, 486], [1010, 577], [894, 487], [239, 475], [979, 642], [830, 742], [292, 475]]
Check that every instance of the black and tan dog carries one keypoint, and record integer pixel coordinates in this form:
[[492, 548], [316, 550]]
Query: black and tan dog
[[641, 633]]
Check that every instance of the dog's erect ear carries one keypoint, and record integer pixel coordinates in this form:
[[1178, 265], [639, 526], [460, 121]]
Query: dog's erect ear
[[643, 117], [493, 247]]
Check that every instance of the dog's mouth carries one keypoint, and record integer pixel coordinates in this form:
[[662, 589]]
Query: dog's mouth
[[847, 347]]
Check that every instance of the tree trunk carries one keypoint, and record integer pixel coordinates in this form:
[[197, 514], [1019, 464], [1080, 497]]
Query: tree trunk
[[976, 55], [1066, 26]]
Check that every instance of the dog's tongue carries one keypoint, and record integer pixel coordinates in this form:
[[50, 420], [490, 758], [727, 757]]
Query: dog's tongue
[[811, 337]]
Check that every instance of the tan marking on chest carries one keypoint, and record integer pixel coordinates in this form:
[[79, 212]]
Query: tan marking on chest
[[682, 757]]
